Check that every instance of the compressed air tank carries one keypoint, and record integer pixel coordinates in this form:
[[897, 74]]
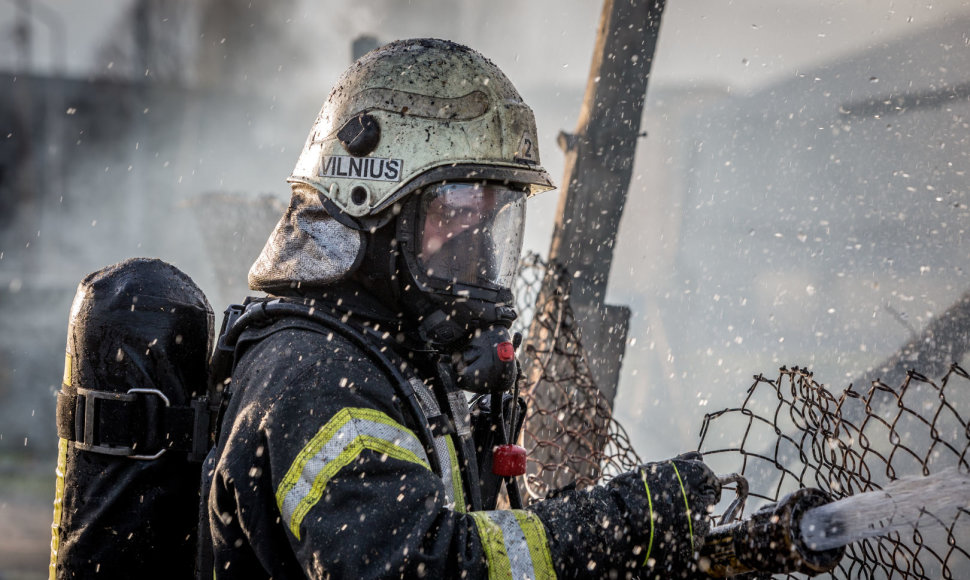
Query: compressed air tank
[[127, 495]]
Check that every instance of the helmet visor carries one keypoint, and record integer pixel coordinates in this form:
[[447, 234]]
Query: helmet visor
[[471, 233]]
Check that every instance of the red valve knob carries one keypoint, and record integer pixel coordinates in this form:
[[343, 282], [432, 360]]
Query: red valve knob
[[506, 351], [508, 460]]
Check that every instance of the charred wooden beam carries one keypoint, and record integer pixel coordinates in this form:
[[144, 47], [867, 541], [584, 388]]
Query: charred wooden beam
[[599, 164]]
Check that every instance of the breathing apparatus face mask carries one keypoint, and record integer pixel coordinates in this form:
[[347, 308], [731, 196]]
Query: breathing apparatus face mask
[[461, 244], [470, 236]]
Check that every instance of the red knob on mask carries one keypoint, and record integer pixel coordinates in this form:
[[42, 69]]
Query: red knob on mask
[[508, 460]]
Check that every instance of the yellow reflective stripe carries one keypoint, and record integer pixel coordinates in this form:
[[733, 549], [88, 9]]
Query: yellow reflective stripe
[[59, 471], [58, 504], [349, 453], [493, 541], [535, 537], [325, 434], [348, 433], [458, 490], [690, 523], [515, 545], [67, 369], [643, 476]]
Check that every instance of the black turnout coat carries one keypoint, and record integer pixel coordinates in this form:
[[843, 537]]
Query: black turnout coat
[[321, 471]]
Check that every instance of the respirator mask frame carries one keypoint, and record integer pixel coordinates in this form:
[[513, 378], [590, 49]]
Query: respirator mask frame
[[461, 241]]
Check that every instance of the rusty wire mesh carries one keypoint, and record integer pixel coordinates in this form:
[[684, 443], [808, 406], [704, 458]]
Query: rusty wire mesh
[[569, 433], [791, 432]]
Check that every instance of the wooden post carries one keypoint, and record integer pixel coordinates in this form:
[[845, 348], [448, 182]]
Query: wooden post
[[568, 424], [599, 164]]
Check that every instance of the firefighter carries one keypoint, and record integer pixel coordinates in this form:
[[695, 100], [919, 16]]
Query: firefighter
[[346, 449]]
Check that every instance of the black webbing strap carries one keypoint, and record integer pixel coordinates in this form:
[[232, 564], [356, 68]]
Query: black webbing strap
[[263, 313], [138, 424]]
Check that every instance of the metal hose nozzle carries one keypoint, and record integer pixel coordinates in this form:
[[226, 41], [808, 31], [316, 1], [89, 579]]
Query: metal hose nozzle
[[769, 541]]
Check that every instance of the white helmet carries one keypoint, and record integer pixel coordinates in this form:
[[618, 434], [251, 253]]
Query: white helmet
[[413, 113], [427, 116]]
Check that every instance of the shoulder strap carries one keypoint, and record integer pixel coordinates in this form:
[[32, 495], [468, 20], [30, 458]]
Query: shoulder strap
[[263, 313]]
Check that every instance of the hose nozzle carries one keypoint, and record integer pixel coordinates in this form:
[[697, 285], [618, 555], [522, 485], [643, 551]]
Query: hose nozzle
[[769, 541]]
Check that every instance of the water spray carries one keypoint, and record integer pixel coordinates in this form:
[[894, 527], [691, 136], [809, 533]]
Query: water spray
[[806, 531], [903, 504]]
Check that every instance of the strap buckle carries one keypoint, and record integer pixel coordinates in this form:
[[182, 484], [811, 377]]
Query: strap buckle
[[86, 423]]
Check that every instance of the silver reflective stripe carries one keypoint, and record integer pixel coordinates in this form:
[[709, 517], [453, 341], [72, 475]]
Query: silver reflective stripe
[[447, 476], [461, 413], [450, 473], [425, 397], [348, 433], [516, 546]]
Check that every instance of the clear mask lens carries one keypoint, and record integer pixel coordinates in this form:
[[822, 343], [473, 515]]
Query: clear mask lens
[[471, 233]]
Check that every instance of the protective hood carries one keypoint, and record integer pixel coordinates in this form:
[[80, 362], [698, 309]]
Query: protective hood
[[308, 248]]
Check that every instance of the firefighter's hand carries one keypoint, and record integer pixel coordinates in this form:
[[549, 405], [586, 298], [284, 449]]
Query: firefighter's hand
[[682, 494]]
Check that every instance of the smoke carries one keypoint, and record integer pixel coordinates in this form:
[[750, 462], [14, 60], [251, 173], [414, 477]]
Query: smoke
[[186, 108], [232, 89], [764, 226]]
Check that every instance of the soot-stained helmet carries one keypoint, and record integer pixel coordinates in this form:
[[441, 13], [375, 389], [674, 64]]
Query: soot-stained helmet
[[410, 114], [423, 116]]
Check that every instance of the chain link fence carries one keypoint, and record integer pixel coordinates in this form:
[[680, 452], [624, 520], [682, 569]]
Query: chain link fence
[[788, 433], [791, 432], [569, 432]]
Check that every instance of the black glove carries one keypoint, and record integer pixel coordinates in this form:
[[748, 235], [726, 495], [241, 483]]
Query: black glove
[[682, 494], [608, 531]]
